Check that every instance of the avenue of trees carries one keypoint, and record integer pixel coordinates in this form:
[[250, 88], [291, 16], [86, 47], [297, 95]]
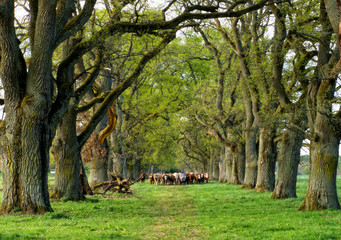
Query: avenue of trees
[[226, 87]]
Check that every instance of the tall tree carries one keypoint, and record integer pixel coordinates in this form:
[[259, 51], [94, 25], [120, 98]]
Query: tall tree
[[324, 125]]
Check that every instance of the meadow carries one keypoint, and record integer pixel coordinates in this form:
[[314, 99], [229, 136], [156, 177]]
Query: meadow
[[206, 211]]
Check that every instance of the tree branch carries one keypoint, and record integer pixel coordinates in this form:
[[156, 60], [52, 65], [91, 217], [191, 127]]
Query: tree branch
[[76, 23], [120, 88]]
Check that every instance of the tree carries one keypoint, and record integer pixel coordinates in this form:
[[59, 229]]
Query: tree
[[322, 122], [292, 104]]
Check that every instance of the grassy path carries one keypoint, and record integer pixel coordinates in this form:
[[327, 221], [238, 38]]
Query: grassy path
[[175, 215], [209, 211]]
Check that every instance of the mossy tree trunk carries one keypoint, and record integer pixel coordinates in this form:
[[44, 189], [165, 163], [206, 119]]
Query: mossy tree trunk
[[323, 124], [66, 156], [324, 154], [27, 99], [288, 160]]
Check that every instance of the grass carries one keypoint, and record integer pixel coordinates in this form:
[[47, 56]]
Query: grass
[[208, 211]]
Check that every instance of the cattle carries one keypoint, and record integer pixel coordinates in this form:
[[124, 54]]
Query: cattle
[[170, 178], [164, 179], [189, 178], [176, 178], [183, 178], [201, 178], [151, 178], [142, 177], [205, 177], [195, 177], [157, 178]]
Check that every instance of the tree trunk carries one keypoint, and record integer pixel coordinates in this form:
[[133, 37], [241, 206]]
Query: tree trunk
[[25, 177], [288, 160], [226, 167], [250, 158], [136, 167], [213, 166], [324, 128], [66, 155], [99, 163], [238, 164], [324, 154], [266, 161]]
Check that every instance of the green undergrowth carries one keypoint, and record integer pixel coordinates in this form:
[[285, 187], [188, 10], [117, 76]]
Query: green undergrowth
[[206, 211]]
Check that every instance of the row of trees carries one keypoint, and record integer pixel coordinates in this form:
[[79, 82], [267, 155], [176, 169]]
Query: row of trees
[[259, 84], [70, 63], [41, 91]]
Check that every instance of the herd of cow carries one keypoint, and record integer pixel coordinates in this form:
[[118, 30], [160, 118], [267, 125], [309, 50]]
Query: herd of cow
[[175, 178]]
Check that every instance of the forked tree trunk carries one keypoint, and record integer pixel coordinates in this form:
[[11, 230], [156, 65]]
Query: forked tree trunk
[[66, 155], [266, 161], [288, 160]]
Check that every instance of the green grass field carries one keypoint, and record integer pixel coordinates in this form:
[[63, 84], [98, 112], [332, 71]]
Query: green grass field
[[207, 211]]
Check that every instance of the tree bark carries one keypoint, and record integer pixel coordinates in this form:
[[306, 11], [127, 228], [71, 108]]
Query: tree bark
[[288, 160], [324, 129], [238, 164], [228, 162], [324, 154], [250, 158], [27, 99], [66, 155], [99, 163], [266, 160]]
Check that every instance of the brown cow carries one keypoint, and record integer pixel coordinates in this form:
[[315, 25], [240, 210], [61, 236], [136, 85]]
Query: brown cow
[[164, 179], [151, 178], [170, 178], [195, 177], [206, 177], [143, 177], [189, 178]]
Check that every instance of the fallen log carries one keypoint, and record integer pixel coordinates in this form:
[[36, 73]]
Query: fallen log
[[116, 185]]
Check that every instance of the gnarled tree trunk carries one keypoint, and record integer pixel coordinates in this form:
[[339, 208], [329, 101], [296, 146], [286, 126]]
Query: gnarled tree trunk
[[324, 126], [66, 155], [27, 161], [288, 160], [324, 155]]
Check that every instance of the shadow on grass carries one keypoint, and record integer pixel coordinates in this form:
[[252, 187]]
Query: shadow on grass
[[17, 237]]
